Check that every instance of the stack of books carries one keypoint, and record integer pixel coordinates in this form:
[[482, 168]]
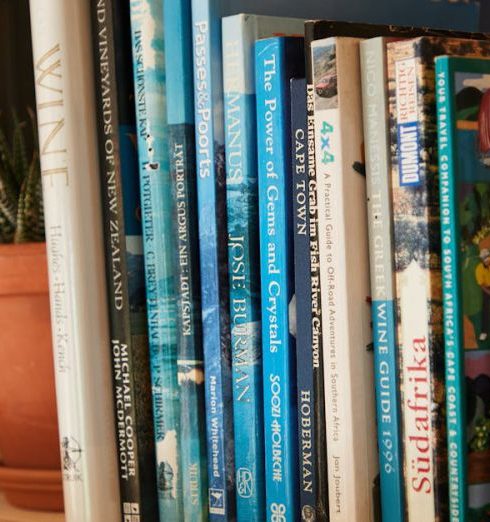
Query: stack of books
[[269, 256]]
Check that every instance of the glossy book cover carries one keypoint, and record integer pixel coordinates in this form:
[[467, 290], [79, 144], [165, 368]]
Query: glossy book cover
[[463, 103], [182, 150], [156, 206]]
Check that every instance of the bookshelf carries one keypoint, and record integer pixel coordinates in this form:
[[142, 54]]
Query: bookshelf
[[11, 514]]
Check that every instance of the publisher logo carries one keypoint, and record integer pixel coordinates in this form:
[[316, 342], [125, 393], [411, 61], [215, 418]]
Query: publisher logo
[[71, 453], [308, 514], [244, 480], [216, 501], [131, 512]]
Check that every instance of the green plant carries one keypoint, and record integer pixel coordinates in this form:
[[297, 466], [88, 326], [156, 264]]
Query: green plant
[[21, 202]]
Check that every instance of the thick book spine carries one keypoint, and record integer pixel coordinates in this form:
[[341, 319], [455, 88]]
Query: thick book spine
[[348, 362], [277, 61], [302, 324], [244, 266], [190, 364], [451, 294], [124, 259], [378, 184], [68, 149], [211, 189], [417, 245], [156, 206]]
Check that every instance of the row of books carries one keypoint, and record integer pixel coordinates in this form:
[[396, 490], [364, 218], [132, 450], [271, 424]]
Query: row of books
[[220, 344]]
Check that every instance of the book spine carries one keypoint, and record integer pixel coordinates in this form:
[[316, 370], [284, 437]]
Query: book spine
[[321, 463], [244, 273], [453, 334], [129, 349], [156, 206], [348, 364], [68, 151], [275, 59], [302, 285], [378, 184], [211, 189], [190, 364], [418, 287]]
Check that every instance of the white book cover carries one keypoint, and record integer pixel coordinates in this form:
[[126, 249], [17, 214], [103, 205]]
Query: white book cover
[[63, 69], [345, 285]]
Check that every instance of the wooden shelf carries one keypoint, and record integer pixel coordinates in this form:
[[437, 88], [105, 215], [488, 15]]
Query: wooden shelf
[[11, 514]]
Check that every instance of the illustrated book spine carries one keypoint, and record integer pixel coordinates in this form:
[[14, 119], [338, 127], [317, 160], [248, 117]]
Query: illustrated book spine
[[277, 60], [239, 34], [463, 91], [182, 150], [302, 317], [124, 258], [158, 242], [416, 229], [348, 359], [211, 192], [378, 185], [63, 70]]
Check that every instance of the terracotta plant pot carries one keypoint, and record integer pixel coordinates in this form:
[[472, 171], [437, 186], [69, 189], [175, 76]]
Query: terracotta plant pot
[[29, 447]]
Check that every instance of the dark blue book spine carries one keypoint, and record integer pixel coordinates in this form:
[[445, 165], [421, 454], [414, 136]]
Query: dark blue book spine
[[190, 364], [303, 295], [277, 61]]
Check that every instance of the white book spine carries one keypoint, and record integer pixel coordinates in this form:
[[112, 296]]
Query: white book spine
[[345, 287], [62, 49]]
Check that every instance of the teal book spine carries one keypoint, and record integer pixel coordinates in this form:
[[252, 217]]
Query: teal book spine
[[182, 150], [463, 112], [277, 60], [158, 243]]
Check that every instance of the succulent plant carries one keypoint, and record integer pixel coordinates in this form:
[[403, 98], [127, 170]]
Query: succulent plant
[[21, 202]]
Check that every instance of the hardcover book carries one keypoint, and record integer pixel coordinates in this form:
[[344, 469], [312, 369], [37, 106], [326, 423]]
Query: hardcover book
[[277, 60], [63, 70], [182, 150], [156, 209], [416, 232], [301, 321], [463, 94], [342, 229], [239, 35], [124, 257]]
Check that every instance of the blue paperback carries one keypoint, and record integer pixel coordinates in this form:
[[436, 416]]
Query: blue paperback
[[182, 150], [277, 61], [301, 318], [240, 33], [156, 206]]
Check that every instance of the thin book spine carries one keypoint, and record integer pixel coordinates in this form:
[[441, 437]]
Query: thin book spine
[[451, 294], [156, 206], [378, 184], [129, 340], [244, 266], [321, 461], [211, 189], [348, 364], [277, 60], [182, 149], [63, 69], [308, 500]]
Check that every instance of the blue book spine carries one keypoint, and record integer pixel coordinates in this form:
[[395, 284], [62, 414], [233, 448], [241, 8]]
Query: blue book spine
[[303, 302], [190, 364], [277, 61], [213, 239], [378, 185], [156, 205], [244, 270]]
